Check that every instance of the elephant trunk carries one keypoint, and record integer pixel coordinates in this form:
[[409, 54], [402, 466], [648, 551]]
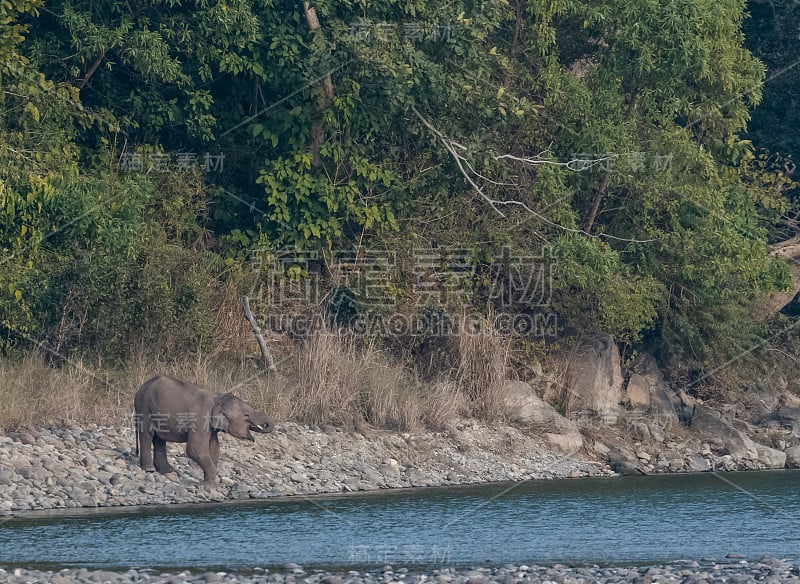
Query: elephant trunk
[[263, 425]]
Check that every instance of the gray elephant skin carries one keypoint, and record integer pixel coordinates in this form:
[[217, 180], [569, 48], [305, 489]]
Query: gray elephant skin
[[172, 410]]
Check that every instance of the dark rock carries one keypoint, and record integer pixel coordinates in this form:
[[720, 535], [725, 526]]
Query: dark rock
[[624, 463], [792, 308], [787, 417], [23, 438]]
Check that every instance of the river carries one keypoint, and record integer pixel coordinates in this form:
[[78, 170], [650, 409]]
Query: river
[[631, 520]]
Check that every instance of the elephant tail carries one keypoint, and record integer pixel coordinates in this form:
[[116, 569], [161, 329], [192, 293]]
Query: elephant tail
[[137, 439]]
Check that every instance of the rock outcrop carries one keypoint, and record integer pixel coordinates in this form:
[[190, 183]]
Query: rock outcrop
[[593, 380], [647, 391], [724, 439], [793, 457]]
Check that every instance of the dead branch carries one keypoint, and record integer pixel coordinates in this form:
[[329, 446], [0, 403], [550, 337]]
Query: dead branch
[[269, 363]]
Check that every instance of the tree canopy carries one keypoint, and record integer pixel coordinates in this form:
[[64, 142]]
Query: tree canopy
[[141, 140]]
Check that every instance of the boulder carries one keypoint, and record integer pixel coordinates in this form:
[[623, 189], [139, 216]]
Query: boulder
[[525, 407], [647, 391], [697, 463], [726, 439], [638, 392], [793, 457], [639, 430], [770, 457], [593, 380]]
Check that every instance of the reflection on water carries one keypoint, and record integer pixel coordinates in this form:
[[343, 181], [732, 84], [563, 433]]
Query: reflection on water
[[629, 520]]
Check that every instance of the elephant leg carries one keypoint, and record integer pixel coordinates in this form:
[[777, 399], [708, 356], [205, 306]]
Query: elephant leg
[[146, 450], [198, 449], [213, 448], [160, 456]]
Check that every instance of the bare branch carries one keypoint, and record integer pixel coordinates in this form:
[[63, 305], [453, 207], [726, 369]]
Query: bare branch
[[495, 204], [576, 164]]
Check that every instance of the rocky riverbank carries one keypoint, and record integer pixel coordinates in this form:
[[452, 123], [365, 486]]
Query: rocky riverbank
[[731, 570], [62, 468], [65, 468], [637, 424]]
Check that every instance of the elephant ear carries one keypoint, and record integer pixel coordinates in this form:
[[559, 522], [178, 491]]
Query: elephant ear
[[217, 419]]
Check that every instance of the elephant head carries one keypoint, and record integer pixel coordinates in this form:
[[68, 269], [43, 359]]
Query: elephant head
[[232, 415]]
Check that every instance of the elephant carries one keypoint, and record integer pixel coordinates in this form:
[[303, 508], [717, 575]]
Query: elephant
[[171, 410]]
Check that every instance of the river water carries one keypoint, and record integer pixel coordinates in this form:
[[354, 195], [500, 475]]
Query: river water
[[629, 520]]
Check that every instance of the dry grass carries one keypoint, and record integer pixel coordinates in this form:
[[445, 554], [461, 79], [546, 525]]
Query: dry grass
[[330, 380], [340, 382], [33, 394], [483, 358]]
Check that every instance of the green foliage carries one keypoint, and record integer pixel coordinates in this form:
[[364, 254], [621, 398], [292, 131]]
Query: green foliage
[[596, 290], [659, 238], [107, 276]]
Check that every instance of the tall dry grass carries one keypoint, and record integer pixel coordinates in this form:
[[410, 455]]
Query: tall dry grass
[[34, 394], [483, 359], [342, 381], [332, 379]]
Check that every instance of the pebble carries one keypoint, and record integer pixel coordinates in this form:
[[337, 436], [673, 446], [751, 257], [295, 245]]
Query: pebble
[[779, 571]]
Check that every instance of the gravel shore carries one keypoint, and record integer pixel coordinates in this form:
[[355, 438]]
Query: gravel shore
[[63, 468], [767, 570], [95, 467]]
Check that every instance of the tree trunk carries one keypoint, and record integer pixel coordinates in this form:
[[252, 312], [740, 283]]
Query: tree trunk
[[317, 127], [601, 189]]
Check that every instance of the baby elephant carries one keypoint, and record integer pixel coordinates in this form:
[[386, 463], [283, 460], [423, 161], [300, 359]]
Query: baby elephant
[[171, 410]]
